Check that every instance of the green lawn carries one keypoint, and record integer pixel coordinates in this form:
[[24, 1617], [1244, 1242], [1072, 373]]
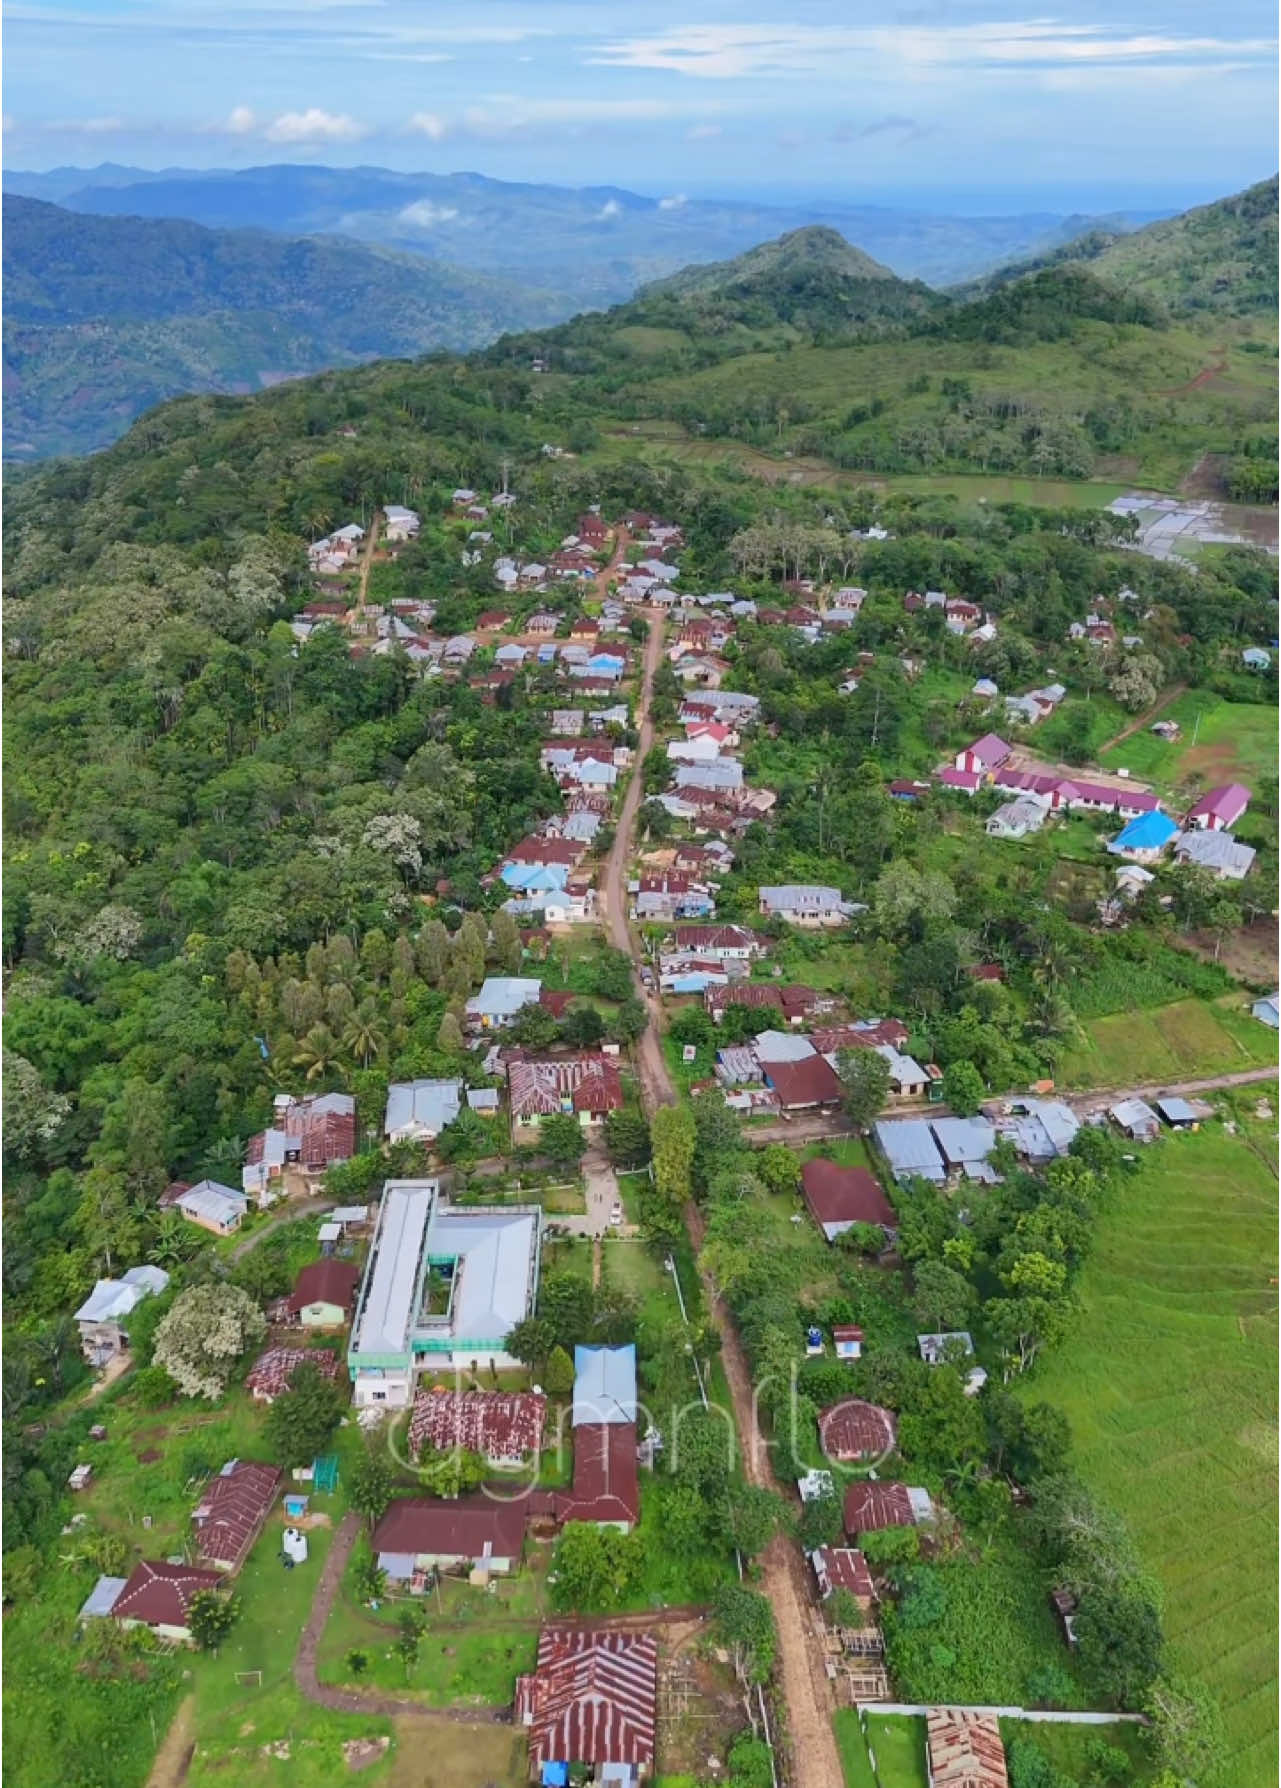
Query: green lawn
[[1170, 1383], [1071, 1749], [1176, 1042], [896, 1740], [1220, 742]]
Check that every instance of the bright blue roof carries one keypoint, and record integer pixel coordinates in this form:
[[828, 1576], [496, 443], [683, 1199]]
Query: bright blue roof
[[604, 1384], [1149, 832], [555, 1775]]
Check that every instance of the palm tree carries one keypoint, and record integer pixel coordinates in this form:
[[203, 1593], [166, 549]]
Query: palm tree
[[363, 1035], [226, 1155], [317, 1052], [171, 1240]]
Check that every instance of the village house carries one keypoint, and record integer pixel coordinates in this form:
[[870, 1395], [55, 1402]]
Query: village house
[[842, 1567], [801, 904], [212, 1206], [838, 1197], [1145, 839], [584, 1086], [419, 1110], [500, 998], [308, 1135], [965, 1749], [157, 1594], [665, 896], [873, 1505], [1016, 819], [1219, 852], [272, 1372], [729, 942], [323, 1295], [233, 1506], [419, 1535], [984, 756], [103, 1318], [1219, 809], [853, 1431], [401, 523], [591, 1702], [504, 1428]]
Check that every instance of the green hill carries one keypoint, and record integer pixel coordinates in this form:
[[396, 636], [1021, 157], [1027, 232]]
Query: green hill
[[106, 316], [1220, 258]]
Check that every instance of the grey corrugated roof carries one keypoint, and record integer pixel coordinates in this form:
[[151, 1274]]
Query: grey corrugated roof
[[964, 1139], [909, 1147], [214, 1201], [386, 1304], [430, 1103], [502, 996], [1214, 850], [102, 1598]]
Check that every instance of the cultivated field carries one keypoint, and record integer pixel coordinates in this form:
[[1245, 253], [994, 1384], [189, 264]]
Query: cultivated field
[[1177, 1042], [1170, 1386]]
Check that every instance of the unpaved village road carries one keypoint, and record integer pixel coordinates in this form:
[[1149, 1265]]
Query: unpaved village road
[[806, 1693]]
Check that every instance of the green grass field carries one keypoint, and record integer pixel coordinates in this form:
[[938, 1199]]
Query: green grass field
[[1234, 741], [1170, 1384], [897, 1742], [1177, 1042]]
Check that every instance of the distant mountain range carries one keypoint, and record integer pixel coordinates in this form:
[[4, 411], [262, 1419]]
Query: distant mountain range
[[105, 316], [595, 244]]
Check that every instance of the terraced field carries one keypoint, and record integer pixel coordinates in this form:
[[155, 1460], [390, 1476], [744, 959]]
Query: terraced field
[[1175, 1042], [1170, 1386]]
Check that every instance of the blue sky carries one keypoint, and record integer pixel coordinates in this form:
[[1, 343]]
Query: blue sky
[[943, 102]]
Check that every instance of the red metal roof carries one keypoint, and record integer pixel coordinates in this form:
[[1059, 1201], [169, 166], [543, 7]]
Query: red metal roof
[[158, 1593], [589, 1082], [838, 1194], [801, 1084], [592, 1698], [845, 1568], [272, 1371], [496, 1425], [715, 937], [461, 1528], [853, 1429], [965, 1749], [1225, 804], [232, 1509], [872, 1506], [606, 1483], [860, 1036], [325, 1282]]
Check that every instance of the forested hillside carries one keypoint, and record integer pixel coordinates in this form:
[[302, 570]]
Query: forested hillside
[[106, 316], [1219, 258]]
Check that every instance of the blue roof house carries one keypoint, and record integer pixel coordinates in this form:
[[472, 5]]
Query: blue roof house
[[1145, 838], [604, 1385]]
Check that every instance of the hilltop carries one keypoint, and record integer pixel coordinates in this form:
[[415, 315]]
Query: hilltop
[[106, 316], [1220, 258]]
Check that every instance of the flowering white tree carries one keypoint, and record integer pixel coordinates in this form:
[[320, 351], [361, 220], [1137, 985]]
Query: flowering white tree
[[202, 1337]]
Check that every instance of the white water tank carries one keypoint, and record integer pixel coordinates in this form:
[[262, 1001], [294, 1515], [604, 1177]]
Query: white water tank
[[294, 1545]]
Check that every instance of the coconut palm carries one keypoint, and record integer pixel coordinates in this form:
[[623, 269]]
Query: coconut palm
[[317, 1052], [363, 1034]]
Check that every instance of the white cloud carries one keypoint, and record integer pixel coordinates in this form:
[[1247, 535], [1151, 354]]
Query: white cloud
[[241, 122], [504, 112], [731, 52], [424, 214], [90, 127], [315, 126], [611, 208], [428, 124], [673, 202]]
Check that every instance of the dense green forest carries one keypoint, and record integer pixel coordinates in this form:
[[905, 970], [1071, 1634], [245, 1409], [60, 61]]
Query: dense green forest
[[106, 316]]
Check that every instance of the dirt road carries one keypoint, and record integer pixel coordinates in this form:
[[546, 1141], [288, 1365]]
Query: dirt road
[[1168, 696], [806, 1693]]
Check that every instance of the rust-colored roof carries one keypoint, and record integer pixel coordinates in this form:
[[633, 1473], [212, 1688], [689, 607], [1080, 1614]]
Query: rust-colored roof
[[606, 1483], [812, 1081], [462, 1528], [495, 1424], [158, 1593], [853, 1429], [838, 1194], [272, 1371], [325, 1282], [592, 1698], [845, 1568], [965, 1749], [872, 1506], [232, 1509]]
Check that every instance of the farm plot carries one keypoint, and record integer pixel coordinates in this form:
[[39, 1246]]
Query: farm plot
[[1178, 1041], [1169, 1383]]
